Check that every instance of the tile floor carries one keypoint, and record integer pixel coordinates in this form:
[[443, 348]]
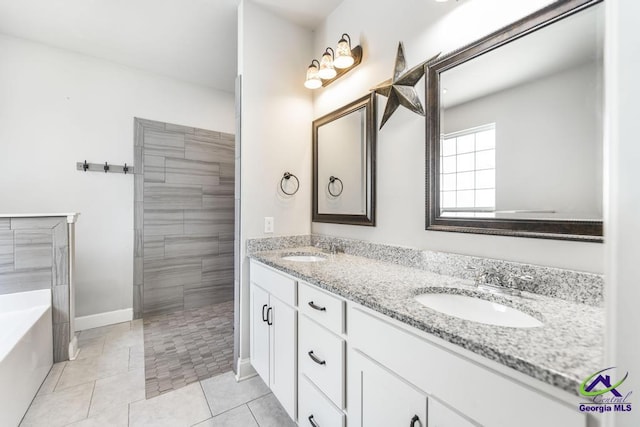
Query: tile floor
[[105, 386], [187, 346]]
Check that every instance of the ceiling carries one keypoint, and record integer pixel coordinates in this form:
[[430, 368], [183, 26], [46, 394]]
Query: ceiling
[[193, 41]]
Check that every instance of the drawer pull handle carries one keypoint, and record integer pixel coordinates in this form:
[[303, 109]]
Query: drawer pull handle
[[415, 420], [315, 358], [264, 317], [313, 422], [269, 318], [317, 307]]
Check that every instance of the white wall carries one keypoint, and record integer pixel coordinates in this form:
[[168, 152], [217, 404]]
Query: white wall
[[622, 216], [426, 28], [548, 142], [58, 108], [273, 56]]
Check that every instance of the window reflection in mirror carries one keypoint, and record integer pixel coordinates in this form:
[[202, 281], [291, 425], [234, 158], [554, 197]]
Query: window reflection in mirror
[[468, 172]]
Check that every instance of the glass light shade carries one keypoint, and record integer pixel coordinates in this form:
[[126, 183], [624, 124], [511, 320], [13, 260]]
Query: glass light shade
[[312, 81], [326, 67], [344, 59]]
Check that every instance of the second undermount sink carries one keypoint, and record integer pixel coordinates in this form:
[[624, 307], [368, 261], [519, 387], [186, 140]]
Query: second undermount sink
[[478, 310], [304, 258]]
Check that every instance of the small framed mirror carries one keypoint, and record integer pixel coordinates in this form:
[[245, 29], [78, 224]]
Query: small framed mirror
[[344, 159], [515, 129]]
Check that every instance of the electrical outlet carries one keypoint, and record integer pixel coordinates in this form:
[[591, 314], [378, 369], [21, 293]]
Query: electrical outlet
[[268, 224]]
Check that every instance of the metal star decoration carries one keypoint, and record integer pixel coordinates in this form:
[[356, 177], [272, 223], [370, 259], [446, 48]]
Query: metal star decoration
[[400, 89]]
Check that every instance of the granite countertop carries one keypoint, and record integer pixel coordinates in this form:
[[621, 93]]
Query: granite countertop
[[563, 352]]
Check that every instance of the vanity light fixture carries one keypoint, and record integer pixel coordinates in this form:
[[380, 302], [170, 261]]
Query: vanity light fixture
[[333, 64], [344, 58], [313, 80], [327, 71]]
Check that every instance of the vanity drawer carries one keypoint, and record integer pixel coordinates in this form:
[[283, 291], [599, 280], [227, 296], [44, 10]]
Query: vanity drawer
[[321, 357], [322, 307], [314, 409], [277, 284]]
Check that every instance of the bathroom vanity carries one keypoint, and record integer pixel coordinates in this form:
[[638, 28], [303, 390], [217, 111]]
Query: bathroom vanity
[[342, 340]]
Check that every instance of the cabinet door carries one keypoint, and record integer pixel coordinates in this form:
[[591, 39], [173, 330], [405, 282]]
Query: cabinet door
[[441, 416], [283, 354], [259, 333], [314, 409], [379, 398]]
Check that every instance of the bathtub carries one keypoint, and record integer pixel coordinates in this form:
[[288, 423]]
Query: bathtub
[[26, 351]]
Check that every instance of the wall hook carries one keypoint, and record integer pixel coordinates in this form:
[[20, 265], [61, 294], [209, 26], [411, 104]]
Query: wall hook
[[105, 167]]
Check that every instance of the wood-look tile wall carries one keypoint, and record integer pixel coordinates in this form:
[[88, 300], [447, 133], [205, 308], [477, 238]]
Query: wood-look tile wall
[[34, 254], [184, 217]]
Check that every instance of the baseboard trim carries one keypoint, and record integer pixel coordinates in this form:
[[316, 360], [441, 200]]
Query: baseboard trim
[[103, 319], [245, 370], [73, 348]]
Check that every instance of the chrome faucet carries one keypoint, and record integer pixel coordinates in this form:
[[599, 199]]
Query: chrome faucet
[[491, 280], [332, 248], [335, 249], [490, 276]]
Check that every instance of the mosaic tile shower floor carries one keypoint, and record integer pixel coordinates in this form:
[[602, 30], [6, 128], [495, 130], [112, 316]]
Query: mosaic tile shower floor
[[187, 346]]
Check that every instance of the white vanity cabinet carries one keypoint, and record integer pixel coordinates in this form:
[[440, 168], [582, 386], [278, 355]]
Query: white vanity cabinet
[[460, 391], [273, 332], [337, 363]]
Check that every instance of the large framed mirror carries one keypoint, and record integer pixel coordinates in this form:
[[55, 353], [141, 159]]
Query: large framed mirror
[[344, 161], [515, 129]]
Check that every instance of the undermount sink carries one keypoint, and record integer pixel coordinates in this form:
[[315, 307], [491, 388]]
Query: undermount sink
[[304, 258], [478, 310]]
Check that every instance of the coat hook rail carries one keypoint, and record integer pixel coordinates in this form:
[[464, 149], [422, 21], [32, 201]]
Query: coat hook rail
[[105, 167]]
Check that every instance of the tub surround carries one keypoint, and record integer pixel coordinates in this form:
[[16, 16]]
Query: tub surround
[[37, 252], [559, 353]]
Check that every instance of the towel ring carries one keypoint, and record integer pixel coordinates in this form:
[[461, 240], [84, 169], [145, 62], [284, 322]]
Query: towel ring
[[332, 180], [287, 176]]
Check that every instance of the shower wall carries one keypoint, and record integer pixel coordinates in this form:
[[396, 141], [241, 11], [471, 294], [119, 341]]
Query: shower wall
[[184, 217]]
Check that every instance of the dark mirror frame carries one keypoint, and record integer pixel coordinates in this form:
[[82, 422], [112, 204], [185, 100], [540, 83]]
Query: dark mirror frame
[[369, 103], [547, 229]]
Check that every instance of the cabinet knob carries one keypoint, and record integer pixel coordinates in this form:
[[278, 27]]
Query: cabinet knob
[[313, 422], [414, 420], [264, 317], [269, 318]]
